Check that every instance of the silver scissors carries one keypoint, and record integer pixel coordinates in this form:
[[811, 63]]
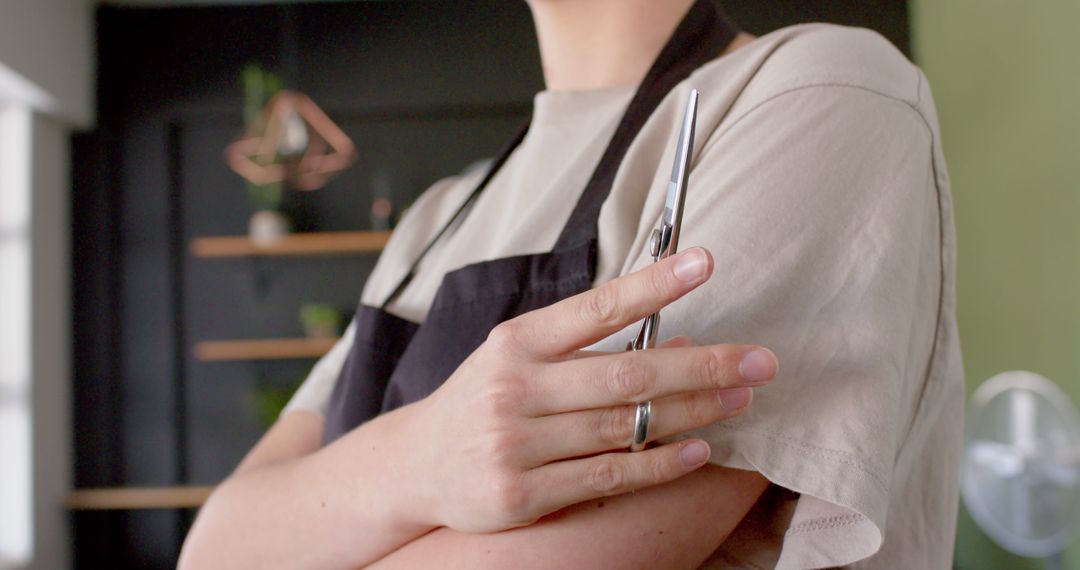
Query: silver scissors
[[663, 243]]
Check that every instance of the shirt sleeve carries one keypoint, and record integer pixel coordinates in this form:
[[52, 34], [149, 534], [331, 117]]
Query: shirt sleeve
[[819, 206]]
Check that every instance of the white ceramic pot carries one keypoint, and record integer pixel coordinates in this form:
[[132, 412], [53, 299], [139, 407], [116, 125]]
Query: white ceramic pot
[[267, 227]]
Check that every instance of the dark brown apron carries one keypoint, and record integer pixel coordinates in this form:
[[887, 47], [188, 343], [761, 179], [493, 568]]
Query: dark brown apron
[[394, 362]]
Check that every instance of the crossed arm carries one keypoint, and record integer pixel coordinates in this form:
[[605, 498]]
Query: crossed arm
[[674, 525], [517, 451]]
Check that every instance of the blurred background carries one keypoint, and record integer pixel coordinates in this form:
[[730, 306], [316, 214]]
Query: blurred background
[[160, 295]]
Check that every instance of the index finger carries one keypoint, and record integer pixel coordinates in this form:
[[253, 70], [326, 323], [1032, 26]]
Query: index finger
[[593, 315]]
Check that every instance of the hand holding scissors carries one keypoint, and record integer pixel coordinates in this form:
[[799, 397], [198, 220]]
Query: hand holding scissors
[[533, 421]]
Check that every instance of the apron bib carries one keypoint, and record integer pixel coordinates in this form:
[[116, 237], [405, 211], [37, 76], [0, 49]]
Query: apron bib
[[394, 362]]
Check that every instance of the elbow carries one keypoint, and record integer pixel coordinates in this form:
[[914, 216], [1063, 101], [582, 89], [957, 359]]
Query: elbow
[[205, 545], [189, 557]]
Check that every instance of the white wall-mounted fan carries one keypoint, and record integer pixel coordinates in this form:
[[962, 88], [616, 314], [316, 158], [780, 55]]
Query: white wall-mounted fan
[[1021, 475]]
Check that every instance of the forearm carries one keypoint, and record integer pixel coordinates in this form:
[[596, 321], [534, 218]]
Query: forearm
[[675, 525], [344, 505]]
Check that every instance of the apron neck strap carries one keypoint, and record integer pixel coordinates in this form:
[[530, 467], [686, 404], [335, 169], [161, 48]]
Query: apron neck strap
[[496, 164], [702, 35]]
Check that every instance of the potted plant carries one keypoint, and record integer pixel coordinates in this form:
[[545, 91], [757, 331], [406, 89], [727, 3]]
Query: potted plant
[[267, 224], [320, 320]]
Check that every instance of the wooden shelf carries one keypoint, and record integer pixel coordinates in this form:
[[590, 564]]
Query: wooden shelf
[[263, 349], [132, 498], [324, 243]]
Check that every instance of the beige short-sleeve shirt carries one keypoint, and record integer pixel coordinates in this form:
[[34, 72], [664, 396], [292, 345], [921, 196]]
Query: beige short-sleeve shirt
[[820, 189]]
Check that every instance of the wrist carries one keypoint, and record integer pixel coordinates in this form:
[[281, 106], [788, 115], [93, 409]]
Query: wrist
[[390, 452], [367, 471], [406, 468]]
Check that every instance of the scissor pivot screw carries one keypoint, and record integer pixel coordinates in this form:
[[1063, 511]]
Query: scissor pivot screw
[[654, 243]]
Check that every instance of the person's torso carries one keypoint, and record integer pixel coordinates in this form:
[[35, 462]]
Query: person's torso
[[529, 200]]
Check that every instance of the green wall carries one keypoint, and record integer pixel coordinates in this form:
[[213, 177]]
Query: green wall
[[1006, 78]]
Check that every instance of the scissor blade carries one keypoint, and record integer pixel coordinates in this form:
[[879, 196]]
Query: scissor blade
[[680, 174]]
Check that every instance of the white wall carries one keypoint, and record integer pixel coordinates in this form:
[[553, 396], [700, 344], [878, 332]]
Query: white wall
[[50, 334], [50, 44], [16, 459], [47, 65]]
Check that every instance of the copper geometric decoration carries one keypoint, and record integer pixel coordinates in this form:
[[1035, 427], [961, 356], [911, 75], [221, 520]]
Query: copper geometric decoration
[[292, 142]]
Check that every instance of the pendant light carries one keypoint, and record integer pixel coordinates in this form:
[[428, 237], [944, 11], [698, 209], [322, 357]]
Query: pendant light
[[293, 141]]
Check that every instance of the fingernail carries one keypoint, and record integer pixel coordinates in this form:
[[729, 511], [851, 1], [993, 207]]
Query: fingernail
[[694, 453], [758, 366], [690, 264], [735, 398]]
